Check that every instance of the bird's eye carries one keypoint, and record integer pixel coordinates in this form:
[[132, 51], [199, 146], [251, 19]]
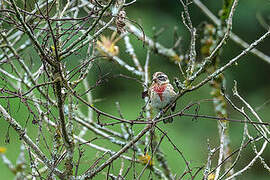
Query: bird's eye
[[162, 78]]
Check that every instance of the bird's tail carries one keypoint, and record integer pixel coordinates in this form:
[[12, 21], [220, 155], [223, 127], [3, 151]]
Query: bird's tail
[[169, 112], [168, 120]]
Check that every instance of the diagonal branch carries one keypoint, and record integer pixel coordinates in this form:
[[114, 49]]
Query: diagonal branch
[[233, 36], [31, 35], [29, 142]]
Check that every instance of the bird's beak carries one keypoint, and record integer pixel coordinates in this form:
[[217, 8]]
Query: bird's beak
[[154, 80]]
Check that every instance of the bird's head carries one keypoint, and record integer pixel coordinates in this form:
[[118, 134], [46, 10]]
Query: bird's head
[[160, 78]]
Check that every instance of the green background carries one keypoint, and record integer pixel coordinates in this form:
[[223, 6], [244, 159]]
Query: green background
[[252, 75]]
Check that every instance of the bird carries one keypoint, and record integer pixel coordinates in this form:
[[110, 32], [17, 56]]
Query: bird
[[161, 93]]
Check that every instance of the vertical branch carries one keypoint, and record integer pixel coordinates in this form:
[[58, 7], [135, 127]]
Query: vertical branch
[[207, 169], [67, 141], [192, 30], [5, 160], [146, 80], [221, 148], [21, 163], [130, 50], [89, 118], [148, 108], [217, 84], [70, 149]]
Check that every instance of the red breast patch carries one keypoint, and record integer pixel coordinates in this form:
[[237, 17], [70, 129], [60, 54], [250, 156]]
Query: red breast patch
[[159, 90]]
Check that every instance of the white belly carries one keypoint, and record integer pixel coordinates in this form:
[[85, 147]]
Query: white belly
[[156, 100]]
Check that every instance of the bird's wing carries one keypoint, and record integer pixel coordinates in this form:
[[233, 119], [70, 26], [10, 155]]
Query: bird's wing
[[173, 94], [170, 87], [147, 92]]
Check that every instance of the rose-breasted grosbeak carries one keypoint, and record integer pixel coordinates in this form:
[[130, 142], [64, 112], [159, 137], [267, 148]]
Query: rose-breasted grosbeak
[[161, 93]]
